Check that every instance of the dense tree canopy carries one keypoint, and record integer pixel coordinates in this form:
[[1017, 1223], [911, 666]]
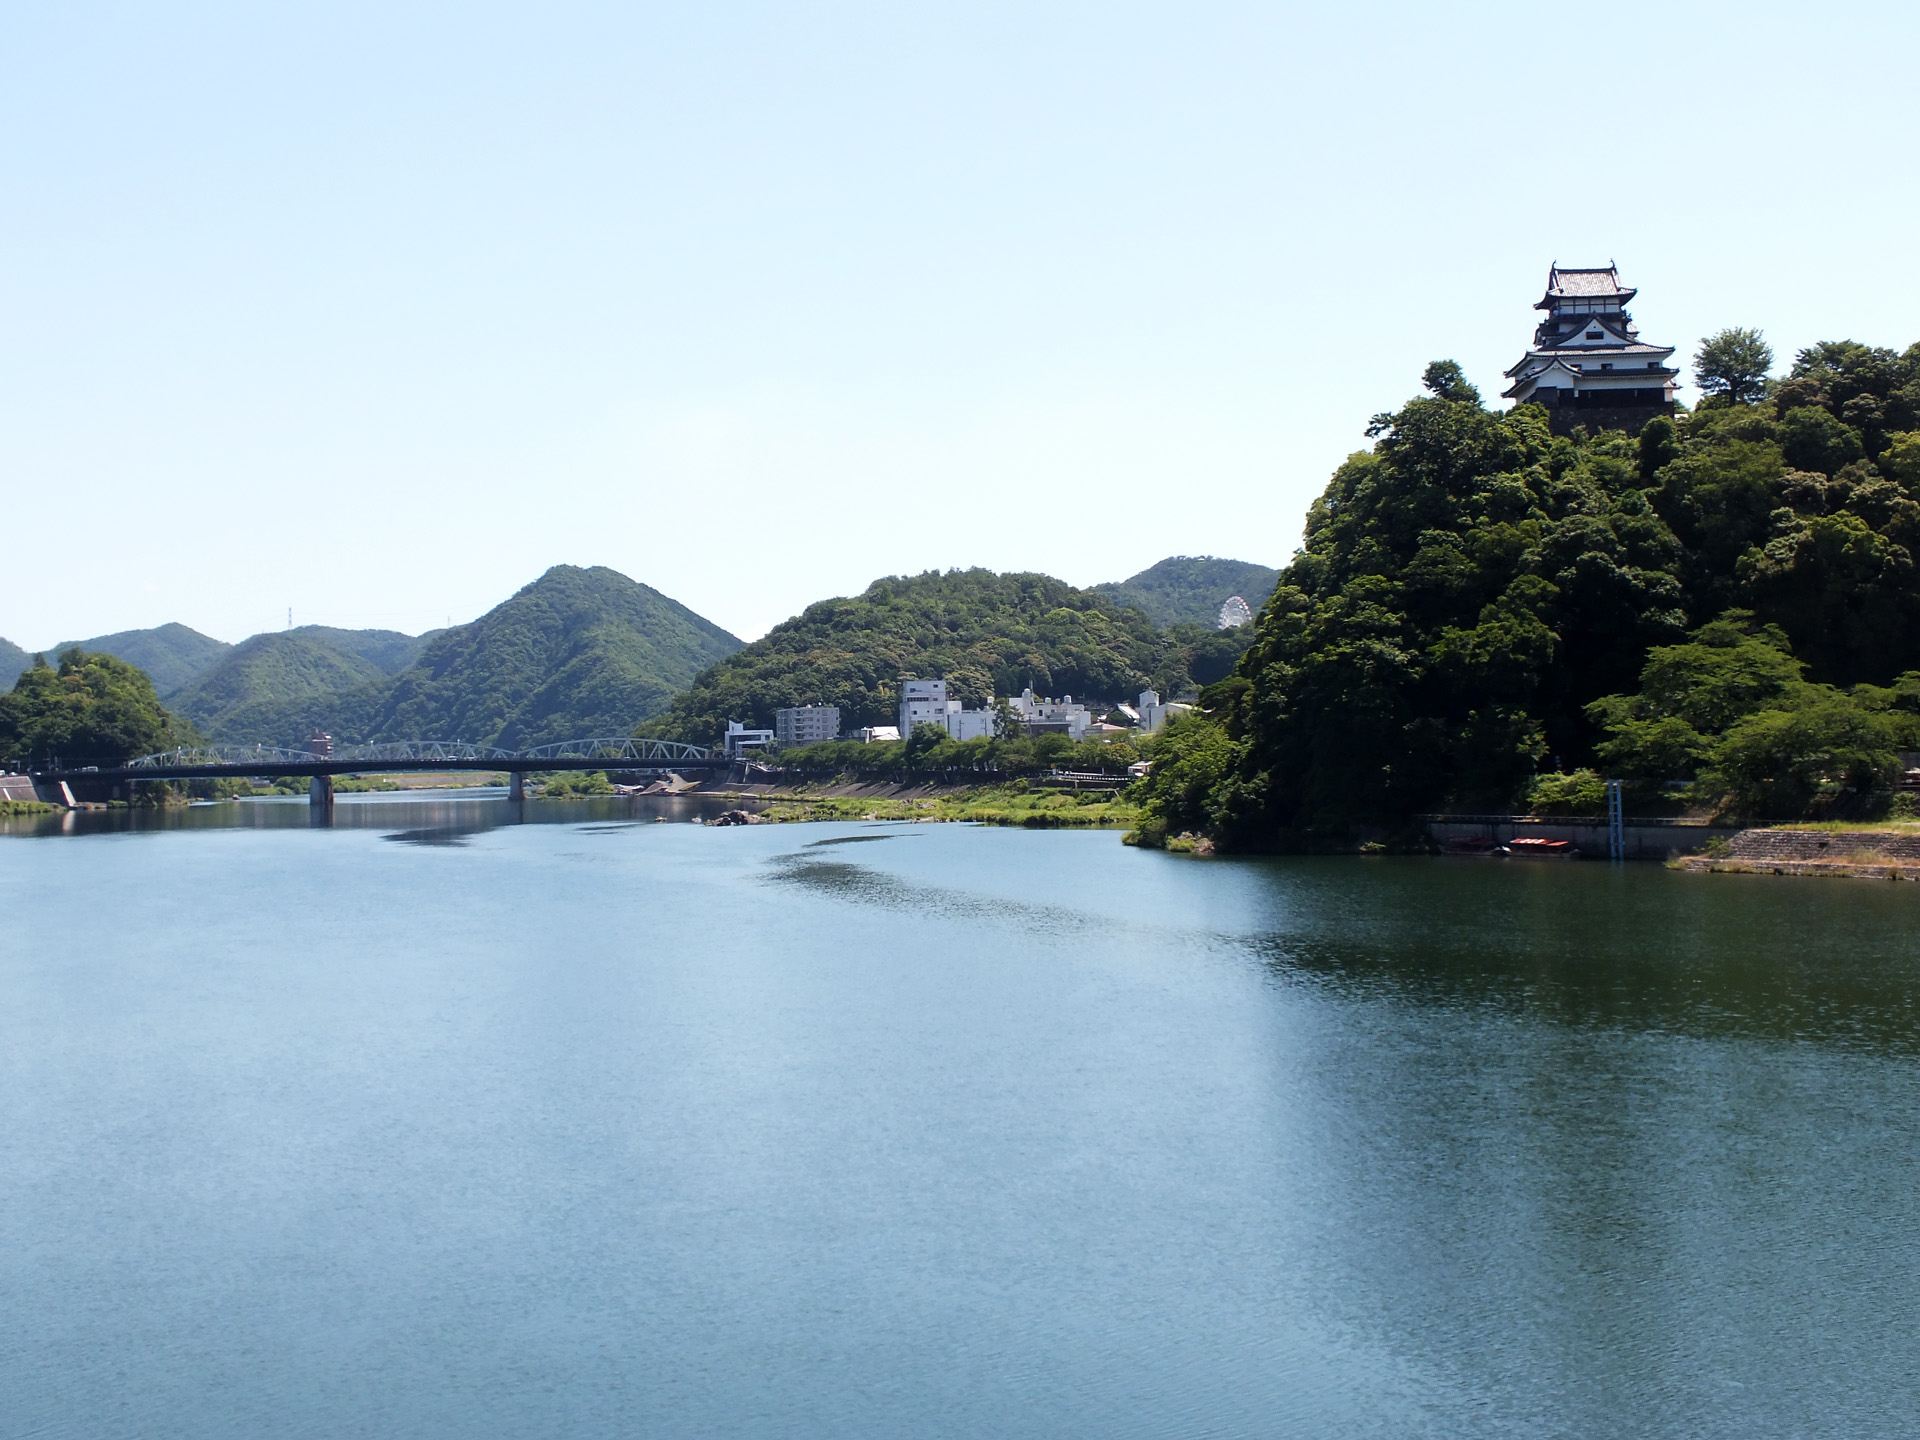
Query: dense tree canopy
[[90, 710], [986, 634], [1473, 586], [1734, 364]]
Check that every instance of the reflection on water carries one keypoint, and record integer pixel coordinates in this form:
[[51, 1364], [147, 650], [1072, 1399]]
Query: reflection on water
[[574, 1123], [420, 814]]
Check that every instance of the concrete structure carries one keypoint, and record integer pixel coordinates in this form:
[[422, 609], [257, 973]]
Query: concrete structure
[[806, 724], [740, 739], [1047, 716], [873, 734], [1645, 839], [925, 702], [1588, 365], [1235, 612], [1153, 714]]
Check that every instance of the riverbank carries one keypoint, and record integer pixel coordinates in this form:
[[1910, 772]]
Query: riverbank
[[1883, 852], [1008, 803]]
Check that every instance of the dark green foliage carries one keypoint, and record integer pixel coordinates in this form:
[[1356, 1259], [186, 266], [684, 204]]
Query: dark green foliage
[[172, 655], [1447, 380], [1734, 365], [91, 710], [1190, 589], [986, 634], [1731, 712], [577, 653], [1473, 590], [280, 686]]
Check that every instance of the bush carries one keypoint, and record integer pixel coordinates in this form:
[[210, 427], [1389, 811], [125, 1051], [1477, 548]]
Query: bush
[[1581, 793]]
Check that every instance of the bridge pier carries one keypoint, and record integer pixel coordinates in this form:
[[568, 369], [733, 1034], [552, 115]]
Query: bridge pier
[[516, 786], [320, 795]]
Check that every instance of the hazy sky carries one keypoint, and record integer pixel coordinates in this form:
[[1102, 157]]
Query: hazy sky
[[378, 311]]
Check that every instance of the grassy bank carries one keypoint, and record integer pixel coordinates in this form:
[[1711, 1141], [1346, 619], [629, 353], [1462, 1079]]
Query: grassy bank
[[1006, 804]]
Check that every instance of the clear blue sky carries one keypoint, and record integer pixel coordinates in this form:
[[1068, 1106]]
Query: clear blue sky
[[376, 311]]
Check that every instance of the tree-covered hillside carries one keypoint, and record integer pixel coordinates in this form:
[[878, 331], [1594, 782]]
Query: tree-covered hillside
[[172, 655], [1190, 589], [576, 653], [87, 710], [281, 685], [1478, 602], [985, 633]]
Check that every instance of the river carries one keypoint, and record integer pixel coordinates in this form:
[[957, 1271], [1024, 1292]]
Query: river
[[432, 1125]]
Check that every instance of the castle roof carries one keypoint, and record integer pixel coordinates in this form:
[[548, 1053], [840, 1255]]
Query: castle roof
[[1584, 284]]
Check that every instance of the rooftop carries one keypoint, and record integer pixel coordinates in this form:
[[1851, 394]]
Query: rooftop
[[1585, 284]]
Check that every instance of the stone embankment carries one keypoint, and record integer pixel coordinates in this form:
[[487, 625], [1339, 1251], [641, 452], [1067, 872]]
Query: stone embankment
[[1857, 854]]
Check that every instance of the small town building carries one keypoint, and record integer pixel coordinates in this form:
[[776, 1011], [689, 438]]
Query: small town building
[[1153, 714], [1047, 716], [1235, 612], [740, 739], [806, 724], [1588, 365], [873, 734], [925, 702]]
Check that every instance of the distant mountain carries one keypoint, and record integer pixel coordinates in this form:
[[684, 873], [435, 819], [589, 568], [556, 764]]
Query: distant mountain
[[986, 634], [576, 653], [172, 654], [12, 661], [1190, 589], [278, 686]]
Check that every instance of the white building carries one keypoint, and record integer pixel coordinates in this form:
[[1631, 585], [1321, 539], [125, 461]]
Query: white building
[[806, 724], [1153, 714], [925, 702], [1052, 717], [873, 734], [740, 739]]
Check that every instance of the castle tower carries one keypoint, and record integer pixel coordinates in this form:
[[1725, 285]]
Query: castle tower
[[1588, 365]]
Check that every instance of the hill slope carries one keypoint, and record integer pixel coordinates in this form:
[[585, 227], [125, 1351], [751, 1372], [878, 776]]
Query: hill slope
[[1190, 589], [279, 686], [576, 653], [13, 660], [986, 633], [172, 655]]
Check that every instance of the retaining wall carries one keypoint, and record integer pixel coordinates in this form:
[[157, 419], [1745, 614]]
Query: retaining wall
[[1645, 839]]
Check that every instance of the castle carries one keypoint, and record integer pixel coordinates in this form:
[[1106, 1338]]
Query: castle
[[1588, 365]]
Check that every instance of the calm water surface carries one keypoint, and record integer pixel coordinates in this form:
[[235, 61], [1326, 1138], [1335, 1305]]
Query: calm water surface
[[429, 1125]]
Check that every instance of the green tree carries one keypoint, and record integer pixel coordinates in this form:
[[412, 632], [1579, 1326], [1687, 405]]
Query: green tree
[[91, 710], [1734, 364], [1447, 380]]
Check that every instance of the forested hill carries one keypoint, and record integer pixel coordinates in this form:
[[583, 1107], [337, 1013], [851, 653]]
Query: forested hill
[[985, 633], [578, 652], [1190, 589], [273, 686], [1485, 615], [172, 655]]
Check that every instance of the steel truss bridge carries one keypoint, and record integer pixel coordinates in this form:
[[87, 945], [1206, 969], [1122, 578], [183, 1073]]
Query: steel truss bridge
[[209, 762]]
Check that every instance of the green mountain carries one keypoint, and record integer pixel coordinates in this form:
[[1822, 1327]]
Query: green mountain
[[987, 634], [13, 660], [1190, 589], [280, 685], [576, 653], [172, 655]]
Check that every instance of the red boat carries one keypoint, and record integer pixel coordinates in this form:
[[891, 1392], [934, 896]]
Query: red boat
[[1546, 849]]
